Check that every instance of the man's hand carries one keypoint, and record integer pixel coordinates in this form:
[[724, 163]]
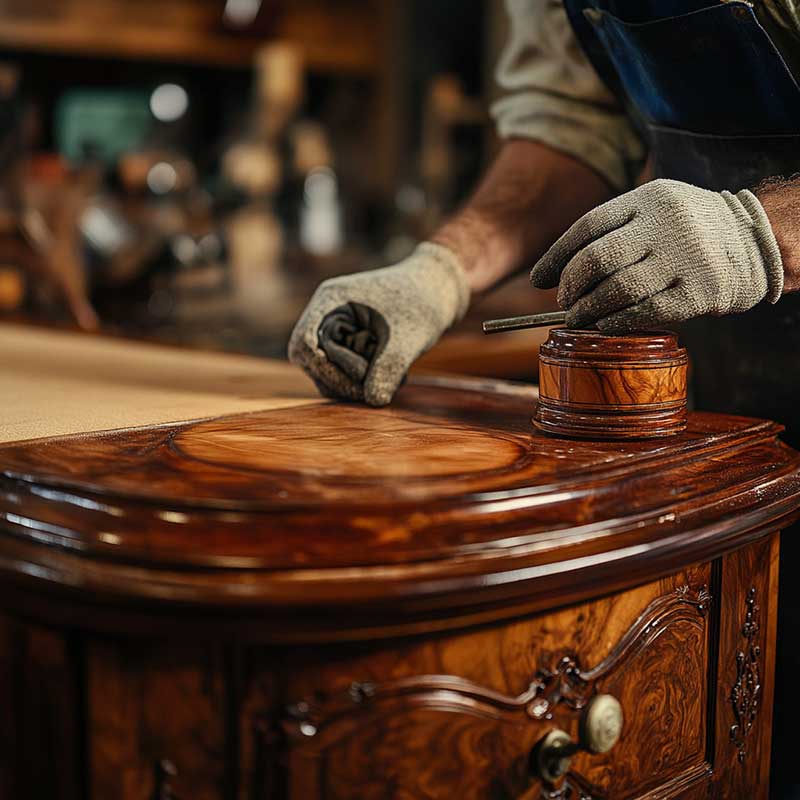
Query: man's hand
[[781, 200], [663, 253], [360, 333]]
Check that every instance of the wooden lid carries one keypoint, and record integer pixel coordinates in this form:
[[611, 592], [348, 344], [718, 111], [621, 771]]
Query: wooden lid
[[337, 521], [653, 348]]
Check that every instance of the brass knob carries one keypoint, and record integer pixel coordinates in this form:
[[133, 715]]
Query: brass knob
[[600, 729]]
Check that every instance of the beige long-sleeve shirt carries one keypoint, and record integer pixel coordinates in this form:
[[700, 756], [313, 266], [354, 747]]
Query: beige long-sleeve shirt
[[552, 94]]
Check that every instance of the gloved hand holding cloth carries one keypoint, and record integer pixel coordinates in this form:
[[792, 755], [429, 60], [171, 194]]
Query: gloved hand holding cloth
[[360, 333], [663, 253]]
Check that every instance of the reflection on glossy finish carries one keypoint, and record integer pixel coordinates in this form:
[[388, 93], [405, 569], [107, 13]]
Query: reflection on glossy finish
[[445, 499], [339, 624]]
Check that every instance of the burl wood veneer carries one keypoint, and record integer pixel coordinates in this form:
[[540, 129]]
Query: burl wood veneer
[[335, 602], [595, 386]]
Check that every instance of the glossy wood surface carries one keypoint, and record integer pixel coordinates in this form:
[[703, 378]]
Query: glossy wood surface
[[447, 500], [596, 386], [330, 602]]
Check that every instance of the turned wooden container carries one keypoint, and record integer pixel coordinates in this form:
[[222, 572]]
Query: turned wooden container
[[594, 386]]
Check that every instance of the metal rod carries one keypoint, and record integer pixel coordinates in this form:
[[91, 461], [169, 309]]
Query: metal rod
[[529, 321]]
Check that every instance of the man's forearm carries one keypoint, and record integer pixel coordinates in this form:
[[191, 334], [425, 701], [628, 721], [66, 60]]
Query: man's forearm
[[781, 200], [530, 195]]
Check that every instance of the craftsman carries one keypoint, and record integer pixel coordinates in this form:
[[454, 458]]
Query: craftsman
[[707, 95], [594, 87]]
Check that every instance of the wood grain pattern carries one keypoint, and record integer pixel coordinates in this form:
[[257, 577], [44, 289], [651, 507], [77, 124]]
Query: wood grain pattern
[[431, 587], [355, 734], [355, 447], [150, 708], [600, 388], [611, 387], [152, 702], [563, 681]]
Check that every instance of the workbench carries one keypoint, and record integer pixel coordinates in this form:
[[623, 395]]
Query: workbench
[[216, 585]]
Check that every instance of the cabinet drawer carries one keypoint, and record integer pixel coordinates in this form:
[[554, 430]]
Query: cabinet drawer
[[460, 715]]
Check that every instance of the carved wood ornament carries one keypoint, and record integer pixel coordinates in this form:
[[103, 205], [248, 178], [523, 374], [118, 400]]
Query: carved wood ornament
[[746, 691]]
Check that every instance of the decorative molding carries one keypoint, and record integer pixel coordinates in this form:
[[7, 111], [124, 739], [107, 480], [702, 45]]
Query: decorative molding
[[746, 692], [316, 719], [574, 687]]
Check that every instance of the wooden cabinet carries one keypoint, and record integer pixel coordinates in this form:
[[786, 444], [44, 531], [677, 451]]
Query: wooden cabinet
[[333, 602]]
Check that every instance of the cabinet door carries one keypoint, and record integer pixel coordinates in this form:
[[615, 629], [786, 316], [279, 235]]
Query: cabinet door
[[459, 716], [156, 717]]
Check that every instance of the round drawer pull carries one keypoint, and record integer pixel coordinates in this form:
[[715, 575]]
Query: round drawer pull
[[600, 729], [601, 724]]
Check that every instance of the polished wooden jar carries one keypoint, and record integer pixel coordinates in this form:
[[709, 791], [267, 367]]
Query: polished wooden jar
[[430, 600], [595, 386]]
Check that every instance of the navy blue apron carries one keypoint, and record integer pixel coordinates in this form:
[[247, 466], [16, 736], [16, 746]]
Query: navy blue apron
[[720, 108]]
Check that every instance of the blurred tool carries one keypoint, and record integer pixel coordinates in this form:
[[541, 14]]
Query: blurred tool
[[254, 166], [50, 221], [320, 214]]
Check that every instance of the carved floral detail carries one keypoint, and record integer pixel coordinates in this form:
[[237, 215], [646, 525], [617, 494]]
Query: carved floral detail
[[746, 692]]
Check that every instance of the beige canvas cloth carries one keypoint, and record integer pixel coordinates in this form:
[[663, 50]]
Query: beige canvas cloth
[[54, 383]]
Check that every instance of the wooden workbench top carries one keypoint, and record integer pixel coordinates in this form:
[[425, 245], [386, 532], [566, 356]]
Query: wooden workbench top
[[55, 383]]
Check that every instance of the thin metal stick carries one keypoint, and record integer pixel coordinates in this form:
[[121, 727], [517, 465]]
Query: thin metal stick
[[529, 321]]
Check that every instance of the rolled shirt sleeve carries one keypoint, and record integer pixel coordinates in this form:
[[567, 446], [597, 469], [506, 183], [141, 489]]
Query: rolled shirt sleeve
[[552, 94]]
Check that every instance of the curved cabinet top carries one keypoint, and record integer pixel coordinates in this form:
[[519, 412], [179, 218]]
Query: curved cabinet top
[[337, 521]]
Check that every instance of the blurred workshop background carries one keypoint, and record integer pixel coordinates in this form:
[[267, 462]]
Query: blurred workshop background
[[200, 165]]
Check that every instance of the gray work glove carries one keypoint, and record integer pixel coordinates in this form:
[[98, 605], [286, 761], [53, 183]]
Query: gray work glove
[[360, 333], [663, 253]]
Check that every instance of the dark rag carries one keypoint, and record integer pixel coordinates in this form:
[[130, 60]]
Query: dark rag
[[351, 336]]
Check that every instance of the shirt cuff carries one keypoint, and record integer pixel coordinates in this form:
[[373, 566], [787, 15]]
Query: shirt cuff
[[602, 139]]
